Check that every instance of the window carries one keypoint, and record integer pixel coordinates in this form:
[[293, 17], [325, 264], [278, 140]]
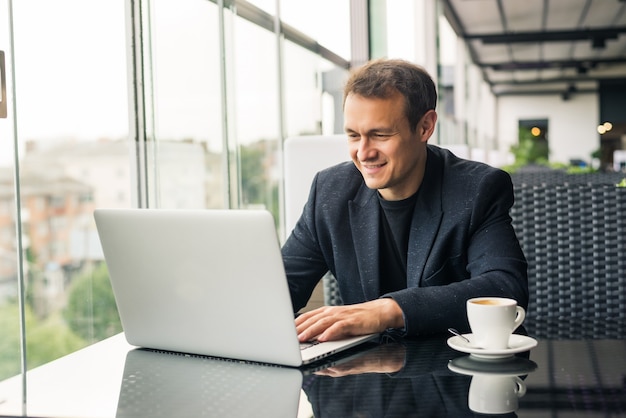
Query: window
[[72, 103], [214, 130]]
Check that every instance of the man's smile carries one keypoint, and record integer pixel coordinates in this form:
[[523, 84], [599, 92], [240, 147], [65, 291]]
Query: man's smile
[[372, 168]]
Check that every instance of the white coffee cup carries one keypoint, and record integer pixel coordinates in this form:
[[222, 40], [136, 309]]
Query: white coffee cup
[[495, 394], [493, 320]]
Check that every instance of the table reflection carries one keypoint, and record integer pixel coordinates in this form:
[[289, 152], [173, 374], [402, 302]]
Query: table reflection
[[399, 378], [404, 378], [412, 378]]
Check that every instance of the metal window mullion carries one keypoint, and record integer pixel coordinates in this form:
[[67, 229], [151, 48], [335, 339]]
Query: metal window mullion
[[137, 102], [21, 284], [359, 32], [282, 130], [263, 19], [224, 104]]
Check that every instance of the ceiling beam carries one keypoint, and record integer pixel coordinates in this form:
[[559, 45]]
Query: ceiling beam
[[554, 80], [582, 64], [564, 95], [548, 36]]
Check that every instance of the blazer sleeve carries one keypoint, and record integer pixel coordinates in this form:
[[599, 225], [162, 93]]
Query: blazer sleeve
[[302, 256]]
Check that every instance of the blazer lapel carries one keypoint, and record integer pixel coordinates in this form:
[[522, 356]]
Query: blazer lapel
[[365, 225], [364, 222], [426, 220]]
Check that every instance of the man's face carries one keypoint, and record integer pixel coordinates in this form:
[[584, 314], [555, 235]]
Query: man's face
[[389, 155]]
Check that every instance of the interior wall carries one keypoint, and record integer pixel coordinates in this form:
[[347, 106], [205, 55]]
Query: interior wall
[[571, 123]]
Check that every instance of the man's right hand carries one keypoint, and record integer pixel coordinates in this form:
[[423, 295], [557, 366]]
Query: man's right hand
[[336, 322]]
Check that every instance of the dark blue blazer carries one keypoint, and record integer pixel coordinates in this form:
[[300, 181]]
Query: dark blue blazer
[[461, 243]]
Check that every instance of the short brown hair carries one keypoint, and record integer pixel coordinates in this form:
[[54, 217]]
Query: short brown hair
[[383, 77]]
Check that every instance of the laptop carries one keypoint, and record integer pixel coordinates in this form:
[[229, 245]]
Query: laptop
[[208, 282]]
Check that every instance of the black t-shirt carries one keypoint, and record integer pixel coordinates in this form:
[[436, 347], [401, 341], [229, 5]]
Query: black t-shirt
[[394, 242]]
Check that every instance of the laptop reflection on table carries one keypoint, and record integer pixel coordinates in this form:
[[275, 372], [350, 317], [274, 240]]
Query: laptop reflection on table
[[166, 384]]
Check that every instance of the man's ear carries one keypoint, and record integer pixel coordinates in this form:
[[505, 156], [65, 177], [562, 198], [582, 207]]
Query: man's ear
[[427, 124]]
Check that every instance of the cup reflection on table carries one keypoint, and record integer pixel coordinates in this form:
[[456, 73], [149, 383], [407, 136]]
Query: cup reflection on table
[[496, 385], [493, 320], [493, 394]]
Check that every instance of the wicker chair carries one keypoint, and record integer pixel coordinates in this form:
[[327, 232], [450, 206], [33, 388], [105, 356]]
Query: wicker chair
[[574, 237], [540, 175], [332, 296]]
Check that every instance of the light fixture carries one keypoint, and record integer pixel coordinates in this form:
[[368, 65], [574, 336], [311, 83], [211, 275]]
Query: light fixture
[[535, 131], [604, 128]]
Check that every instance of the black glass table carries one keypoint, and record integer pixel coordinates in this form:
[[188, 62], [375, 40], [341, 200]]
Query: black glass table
[[420, 377]]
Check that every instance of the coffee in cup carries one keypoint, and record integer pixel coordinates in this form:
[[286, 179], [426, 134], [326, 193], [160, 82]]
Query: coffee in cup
[[493, 320]]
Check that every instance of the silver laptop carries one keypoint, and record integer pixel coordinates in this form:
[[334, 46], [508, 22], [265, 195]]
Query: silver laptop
[[207, 282]]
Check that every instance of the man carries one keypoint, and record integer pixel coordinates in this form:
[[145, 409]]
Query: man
[[409, 230]]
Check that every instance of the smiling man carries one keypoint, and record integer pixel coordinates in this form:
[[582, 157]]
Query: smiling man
[[409, 230]]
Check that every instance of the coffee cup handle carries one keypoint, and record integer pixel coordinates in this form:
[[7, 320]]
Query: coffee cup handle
[[521, 387], [520, 316]]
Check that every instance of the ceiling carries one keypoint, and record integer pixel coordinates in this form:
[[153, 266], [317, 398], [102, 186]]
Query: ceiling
[[543, 46]]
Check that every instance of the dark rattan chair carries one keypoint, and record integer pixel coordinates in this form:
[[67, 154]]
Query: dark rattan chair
[[332, 297], [574, 237]]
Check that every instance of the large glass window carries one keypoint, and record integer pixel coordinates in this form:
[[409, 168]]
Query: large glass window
[[326, 21], [313, 90], [184, 103], [254, 96], [220, 92], [10, 353], [71, 127]]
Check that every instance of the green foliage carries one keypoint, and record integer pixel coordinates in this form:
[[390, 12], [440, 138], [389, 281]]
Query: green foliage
[[91, 311], [10, 341], [597, 154], [621, 183], [529, 149], [252, 174], [580, 170], [49, 340], [257, 186], [45, 340], [91, 315]]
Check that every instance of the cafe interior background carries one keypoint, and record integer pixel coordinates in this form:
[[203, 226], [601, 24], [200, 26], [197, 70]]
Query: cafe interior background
[[187, 104]]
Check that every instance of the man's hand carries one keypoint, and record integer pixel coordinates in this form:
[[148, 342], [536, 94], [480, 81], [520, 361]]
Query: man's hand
[[335, 322]]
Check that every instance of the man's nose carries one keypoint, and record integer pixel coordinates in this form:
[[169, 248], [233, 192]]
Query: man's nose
[[365, 150]]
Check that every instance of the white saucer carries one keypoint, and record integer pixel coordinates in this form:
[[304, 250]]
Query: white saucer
[[517, 344]]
